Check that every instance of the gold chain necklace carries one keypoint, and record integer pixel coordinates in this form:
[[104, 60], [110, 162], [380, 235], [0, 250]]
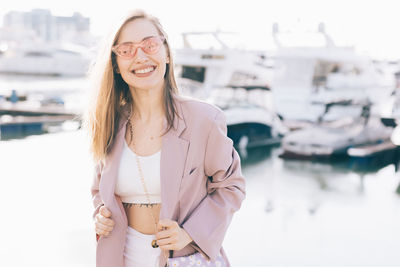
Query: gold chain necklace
[[154, 242]]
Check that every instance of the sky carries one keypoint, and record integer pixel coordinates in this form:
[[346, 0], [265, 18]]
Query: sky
[[371, 26]]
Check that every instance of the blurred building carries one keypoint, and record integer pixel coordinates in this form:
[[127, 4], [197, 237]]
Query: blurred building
[[43, 25]]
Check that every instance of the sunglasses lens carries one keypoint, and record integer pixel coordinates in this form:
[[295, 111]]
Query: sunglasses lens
[[124, 50], [151, 45]]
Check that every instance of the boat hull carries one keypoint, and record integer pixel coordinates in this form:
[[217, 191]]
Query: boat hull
[[252, 135]]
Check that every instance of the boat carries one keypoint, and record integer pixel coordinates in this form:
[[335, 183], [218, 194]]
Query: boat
[[373, 156], [321, 69], [208, 60], [45, 59], [379, 154], [251, 120], [390, 112], [332, 139]]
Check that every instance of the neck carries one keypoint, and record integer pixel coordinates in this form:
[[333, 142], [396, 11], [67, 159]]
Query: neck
[[148, 105]]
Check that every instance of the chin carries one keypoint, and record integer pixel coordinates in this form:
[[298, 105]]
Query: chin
[[145, 86]]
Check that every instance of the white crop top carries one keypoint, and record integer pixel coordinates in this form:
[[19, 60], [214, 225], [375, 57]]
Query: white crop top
[[129, 186]]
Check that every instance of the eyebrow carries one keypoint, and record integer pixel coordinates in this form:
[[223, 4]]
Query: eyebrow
[[145, 38]]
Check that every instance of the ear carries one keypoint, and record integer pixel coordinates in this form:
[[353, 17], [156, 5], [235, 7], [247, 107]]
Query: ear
[[117, 70], [167, 61]]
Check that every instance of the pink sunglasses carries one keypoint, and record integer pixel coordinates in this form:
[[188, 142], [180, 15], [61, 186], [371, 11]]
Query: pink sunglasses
[[149, 45]]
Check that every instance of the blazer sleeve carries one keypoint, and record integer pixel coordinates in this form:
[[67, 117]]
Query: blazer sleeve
[[97, 202], [208, 223]]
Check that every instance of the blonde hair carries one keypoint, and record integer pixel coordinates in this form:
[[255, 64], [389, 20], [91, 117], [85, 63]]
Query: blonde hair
[[111, 93]]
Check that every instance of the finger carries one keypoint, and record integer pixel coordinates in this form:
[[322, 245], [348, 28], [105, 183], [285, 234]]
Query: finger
[[105, 220], [167, 241], [108, 222], [105, 212], [101, 226], [100, 231], [165, 223], [104, 226], [172, 232]]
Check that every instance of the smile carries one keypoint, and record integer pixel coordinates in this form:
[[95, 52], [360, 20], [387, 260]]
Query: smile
[[145, 70]]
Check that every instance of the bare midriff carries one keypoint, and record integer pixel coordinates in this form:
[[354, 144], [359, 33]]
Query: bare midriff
[[140, 219]]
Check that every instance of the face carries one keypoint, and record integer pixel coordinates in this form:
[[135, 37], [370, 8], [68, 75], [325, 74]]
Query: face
[[144, 71]]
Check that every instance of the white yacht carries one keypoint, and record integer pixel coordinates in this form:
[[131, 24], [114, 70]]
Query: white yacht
[[45, 59], [209, 60], [321, 69], [334, 134]]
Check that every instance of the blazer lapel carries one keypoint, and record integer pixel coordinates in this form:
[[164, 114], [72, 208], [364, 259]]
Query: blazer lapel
[[173, 158]]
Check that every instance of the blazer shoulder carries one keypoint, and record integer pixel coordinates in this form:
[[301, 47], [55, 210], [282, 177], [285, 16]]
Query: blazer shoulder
[[198, 109]]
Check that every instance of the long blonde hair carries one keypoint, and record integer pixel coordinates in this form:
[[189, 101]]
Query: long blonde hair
[[111, 93]]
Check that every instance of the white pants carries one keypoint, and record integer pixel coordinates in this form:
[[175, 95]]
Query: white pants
[[138, 250]]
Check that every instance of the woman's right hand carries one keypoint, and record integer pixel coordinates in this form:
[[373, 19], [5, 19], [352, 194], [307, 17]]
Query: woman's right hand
[[103, 225]]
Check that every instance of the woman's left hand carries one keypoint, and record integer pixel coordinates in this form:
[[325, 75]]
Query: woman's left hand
[[171, 236]]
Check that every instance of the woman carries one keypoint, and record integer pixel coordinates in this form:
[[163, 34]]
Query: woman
[[168, 179]]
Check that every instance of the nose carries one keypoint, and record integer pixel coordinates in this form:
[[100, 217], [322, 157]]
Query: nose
[[140, 56]]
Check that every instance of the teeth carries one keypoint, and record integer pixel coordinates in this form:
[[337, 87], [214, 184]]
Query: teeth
[[146, 70]]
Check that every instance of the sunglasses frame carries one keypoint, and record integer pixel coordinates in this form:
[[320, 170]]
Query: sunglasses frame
[[135, 46]]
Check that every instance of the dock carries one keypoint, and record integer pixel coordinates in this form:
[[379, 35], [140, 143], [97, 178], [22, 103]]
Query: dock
[[23, 119], [25, 109]]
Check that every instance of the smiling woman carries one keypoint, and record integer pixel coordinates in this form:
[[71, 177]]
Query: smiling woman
[[167, 178]]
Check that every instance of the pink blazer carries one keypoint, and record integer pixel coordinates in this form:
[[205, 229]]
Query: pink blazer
[[201, 182]]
